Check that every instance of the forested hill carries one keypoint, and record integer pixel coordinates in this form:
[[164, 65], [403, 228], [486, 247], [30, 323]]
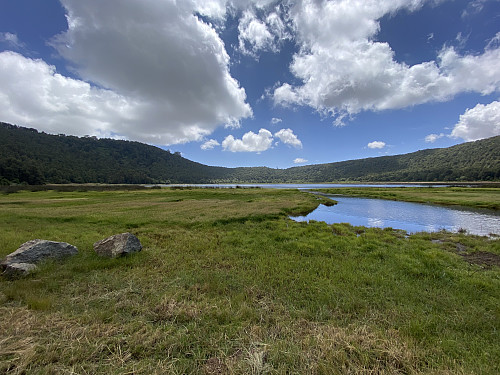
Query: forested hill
[[32, 157], [472, 161], [28, 156]]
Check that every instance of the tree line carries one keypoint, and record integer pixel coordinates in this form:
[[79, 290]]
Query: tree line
[[28, 156]]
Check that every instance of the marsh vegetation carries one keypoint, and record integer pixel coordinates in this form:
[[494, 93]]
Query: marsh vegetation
[[228, 284]]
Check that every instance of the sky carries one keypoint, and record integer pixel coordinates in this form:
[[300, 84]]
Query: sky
[[257, 82]]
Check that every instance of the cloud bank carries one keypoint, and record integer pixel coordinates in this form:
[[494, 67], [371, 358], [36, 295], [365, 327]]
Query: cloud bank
[[158, 71], [344, 71], [31, 92], [165, 68]]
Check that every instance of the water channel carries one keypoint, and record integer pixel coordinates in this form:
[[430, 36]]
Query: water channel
[[411, 217]]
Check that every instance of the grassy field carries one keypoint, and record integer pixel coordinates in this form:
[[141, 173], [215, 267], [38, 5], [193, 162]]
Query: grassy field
[[462, 196], [228, 284]]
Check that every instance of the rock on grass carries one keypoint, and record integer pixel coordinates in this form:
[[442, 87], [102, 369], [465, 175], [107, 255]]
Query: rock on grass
[[23, 260], [118, 245]]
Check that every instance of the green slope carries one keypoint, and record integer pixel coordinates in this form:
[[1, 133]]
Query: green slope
[[472, 161], [28, 156]]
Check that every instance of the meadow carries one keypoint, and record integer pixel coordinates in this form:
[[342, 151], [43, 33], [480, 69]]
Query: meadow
[[228, 284]]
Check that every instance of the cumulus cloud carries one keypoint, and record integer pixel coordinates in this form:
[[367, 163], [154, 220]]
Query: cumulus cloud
[[431, 138], [345, 71], [32, 93], [209, 145], [300, 161], [250, 142], [480, 122], [287, 137], [275, 120], [168, 68], [376, 144]]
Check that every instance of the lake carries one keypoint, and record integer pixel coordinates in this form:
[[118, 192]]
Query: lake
[[411, 217], [301, 186]]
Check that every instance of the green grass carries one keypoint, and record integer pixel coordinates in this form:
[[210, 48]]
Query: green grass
[[463, 196], [227, 283]]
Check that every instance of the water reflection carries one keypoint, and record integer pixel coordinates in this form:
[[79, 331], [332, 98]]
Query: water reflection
[[411, 217]]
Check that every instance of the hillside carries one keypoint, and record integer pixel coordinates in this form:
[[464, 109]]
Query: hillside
[[32, 157], [28, 156]]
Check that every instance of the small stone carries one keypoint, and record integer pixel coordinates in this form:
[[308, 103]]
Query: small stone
[[118, 245]]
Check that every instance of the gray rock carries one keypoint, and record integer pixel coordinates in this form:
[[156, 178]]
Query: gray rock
[[118, 245], [23, 260], [35, 251], [13, 270]]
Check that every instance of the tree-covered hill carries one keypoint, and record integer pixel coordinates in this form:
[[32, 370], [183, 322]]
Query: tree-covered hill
[[32, 157], [28, 156], [472, 161]]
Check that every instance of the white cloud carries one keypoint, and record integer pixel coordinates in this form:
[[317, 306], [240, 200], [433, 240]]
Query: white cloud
[[164, 65], [265, 34], [287, 137], [32, 93], [209, 145], [154, 71], [11, 40], [300, 161], [431, 138], [254, 32], [275, 120], [480, 122], [250, 142], [474, 7], [345, 71], [376, 144], [494, 42]]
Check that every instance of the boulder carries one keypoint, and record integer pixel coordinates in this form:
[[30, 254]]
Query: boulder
[[118, 245], [23, 260]]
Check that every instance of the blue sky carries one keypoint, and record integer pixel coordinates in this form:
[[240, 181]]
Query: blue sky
[[259, 82]]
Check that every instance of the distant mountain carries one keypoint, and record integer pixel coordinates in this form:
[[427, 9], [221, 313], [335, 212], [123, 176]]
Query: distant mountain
[[32, 157]]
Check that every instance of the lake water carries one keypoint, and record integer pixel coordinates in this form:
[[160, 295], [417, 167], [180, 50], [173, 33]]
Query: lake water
[[299, 186], [411, 217]]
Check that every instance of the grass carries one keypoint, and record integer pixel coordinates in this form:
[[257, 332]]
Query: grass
[[462, 196], [227, 284]]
